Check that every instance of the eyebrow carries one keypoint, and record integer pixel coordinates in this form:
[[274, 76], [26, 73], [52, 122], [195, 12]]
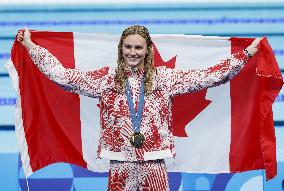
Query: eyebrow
[[132, 45]]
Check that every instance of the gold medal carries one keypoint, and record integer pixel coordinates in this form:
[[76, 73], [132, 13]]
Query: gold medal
[[137, 139]]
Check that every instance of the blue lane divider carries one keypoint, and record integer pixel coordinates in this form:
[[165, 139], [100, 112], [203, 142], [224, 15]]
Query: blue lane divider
[[4, 75], [195, 21], [280, 98], [5, 56], [7, 127], [4, 101]]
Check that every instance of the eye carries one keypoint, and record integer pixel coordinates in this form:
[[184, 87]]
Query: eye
[[139, 47], [127, 46]]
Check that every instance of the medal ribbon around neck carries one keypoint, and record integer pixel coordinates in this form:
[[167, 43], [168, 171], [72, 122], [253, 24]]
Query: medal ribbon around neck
[[135, 117]]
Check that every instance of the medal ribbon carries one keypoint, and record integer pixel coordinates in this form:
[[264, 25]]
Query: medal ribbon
[[136, 118]]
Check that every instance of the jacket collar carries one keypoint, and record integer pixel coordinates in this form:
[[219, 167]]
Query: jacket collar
[[133, 72]]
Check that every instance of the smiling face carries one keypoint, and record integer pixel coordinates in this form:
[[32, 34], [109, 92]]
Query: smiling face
[[134, 49]]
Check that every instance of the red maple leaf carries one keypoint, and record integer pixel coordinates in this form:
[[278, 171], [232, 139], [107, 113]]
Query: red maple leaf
[[160, 62], [186, 106]]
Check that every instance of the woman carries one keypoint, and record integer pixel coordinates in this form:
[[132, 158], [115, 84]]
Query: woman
[[135, 101]]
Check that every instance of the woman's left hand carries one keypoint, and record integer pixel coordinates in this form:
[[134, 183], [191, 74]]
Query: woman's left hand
[[252, 49]]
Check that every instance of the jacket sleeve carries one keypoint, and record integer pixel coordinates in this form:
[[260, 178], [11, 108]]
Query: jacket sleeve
[[89, 83], [185, 81]]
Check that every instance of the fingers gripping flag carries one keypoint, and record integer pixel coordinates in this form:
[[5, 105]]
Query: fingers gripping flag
[[228, 128]]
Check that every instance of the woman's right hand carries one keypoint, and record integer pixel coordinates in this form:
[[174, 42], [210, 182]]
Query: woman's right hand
[[24, 37]]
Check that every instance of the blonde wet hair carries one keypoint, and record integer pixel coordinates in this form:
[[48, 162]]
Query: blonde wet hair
[[120, 78]]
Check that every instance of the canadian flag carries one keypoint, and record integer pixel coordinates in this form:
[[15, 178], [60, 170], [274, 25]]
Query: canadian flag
[[228, 128]]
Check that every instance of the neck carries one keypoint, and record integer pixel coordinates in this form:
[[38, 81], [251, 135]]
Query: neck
[[138, 66]]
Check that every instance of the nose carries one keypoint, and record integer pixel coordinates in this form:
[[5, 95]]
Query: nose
[[132, 51]]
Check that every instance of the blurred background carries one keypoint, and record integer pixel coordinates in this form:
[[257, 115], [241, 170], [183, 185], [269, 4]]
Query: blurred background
[[219, 18]]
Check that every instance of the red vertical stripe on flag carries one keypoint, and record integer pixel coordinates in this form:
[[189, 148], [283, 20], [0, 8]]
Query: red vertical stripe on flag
[[253, 144], [245, 152], [51, 115]]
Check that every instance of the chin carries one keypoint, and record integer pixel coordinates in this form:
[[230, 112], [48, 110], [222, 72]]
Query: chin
[[133, 64]]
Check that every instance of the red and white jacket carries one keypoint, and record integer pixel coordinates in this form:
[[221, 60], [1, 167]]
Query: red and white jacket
[[156, 124]]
